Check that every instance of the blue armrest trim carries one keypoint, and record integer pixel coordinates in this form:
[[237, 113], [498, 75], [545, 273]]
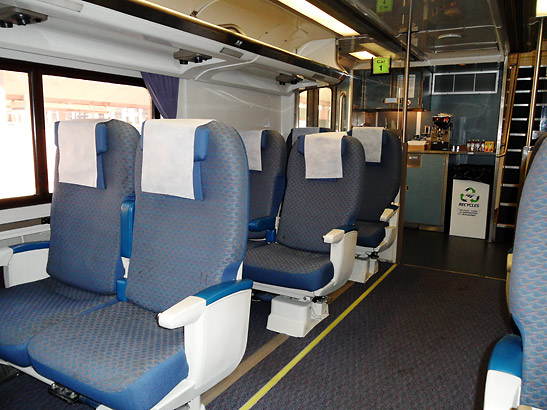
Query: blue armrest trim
[[270, 235], [261, 224], [216, 292], [264, 139], [278, 191], [127, 216], [507, 356], [30, 246], [348, 228], [121, 285], [391, 206]]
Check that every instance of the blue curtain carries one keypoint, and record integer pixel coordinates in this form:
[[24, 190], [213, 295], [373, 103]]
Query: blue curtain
[[164, 91]]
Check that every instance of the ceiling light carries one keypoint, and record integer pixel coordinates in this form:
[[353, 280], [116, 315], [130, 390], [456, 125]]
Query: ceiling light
[[362, 55], [449, 35], [541, 8], [315, 13]]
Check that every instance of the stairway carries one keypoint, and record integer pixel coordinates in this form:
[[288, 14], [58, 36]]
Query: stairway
[[517, 110]]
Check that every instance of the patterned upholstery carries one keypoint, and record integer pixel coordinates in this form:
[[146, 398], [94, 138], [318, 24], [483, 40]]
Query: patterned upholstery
[[84, 255], [370, 234], [311, 208], [279, 265], [118, 355], [85, 222], [383, 179], [27, 309], [130, 343], [190, 243], [528, 285], [266, 186]]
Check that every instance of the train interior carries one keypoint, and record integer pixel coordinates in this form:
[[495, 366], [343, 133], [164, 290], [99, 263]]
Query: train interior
[[228, 204]]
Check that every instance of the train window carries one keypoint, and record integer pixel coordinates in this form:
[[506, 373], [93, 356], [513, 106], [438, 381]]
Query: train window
[[16, 142], [325, 104], [73, 98], [32, 98], [302, 109]]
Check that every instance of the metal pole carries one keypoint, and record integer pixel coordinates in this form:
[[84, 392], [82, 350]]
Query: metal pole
[[402, 191], [407, 71], [535, 86]]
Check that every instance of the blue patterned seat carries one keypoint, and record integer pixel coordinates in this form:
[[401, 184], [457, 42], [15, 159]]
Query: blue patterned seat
[[519, 362], [267, 187], [185, 261], [378, 219], [84, 252], [299, 264]]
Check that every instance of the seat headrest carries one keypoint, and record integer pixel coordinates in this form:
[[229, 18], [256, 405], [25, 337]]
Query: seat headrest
[[254, 141], [372, 139], [301, 144], [172, 152], [81, 144], [323, 154]]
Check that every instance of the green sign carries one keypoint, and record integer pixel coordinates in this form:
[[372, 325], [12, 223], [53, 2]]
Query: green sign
[[381, 65], [384, 6]]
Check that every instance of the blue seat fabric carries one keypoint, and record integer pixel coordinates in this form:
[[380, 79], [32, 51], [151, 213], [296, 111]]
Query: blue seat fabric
[[267, 186], [382, 185], [27, 309], [313, 207], [84, 253], [528, 284], [118, 356], [180, 247], [279, 265], [370, 234]]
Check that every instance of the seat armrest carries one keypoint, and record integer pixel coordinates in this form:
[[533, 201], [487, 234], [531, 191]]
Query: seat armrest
[[183, 313], [334, 236], [5, 256], [261, 224], [388, 213], [507, 356], [30, 246], [189, 310]]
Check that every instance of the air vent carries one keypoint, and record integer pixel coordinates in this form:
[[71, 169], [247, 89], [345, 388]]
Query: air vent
[[14, 16], [283, 79], [471, 82]]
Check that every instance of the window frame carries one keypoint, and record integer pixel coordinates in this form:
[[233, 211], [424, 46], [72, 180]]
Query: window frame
[[312, 108], [35, 72]]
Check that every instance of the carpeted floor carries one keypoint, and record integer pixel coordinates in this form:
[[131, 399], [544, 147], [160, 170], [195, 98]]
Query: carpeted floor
[[420, 340]]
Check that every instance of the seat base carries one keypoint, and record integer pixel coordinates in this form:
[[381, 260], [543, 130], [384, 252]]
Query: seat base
[[295, 317], [363, 268]]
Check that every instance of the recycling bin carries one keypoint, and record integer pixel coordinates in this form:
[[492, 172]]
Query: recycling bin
[[470, 200]]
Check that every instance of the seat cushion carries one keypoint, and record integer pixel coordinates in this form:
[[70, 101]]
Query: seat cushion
[[280, 265], [27, 309], [370, 234], [118, 356]]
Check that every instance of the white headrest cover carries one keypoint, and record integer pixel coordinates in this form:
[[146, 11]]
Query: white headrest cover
[[253, 143], [168, 157], [371, 139], [323, 155], [78, 152]]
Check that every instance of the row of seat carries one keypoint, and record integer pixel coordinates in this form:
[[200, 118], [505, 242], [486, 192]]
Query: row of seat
[[144, 305], [310, 252], [159, 330]]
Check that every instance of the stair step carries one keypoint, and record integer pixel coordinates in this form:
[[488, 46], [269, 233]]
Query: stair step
[[514, 149], [510, 185], [511, 204], [517, 134], [511, 167]]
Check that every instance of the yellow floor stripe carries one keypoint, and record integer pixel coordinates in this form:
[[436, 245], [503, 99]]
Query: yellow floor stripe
[[456, 272], [274, 380]]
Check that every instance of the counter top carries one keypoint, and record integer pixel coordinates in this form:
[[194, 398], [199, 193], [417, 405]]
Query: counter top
[[429, 151]]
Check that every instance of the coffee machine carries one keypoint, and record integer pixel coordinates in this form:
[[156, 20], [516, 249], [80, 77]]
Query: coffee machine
[[442, 131]]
